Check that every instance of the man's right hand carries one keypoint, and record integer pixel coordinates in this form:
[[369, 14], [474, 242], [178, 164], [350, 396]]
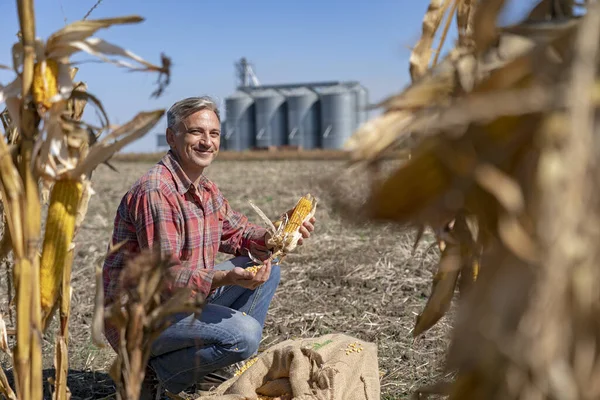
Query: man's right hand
[[241, 277]]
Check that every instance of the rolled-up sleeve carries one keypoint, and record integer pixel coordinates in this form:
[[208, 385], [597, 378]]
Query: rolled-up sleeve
[[240, 236], [159, 225]]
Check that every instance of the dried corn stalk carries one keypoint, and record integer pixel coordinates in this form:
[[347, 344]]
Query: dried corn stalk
[[509, 140], [140, 314], [62, 153], [420, 57], [474, 158]]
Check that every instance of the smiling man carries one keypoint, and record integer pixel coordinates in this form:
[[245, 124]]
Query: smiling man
[[175, 208]]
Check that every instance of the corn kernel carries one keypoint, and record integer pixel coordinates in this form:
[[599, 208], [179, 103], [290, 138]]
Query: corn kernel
[[244, 367], [254, 269]]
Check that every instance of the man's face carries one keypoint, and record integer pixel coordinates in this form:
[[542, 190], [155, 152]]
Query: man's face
[[196, 141]]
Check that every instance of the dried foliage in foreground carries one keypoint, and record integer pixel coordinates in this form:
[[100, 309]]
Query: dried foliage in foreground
[[140, 313], [47, 144], [505, 171]]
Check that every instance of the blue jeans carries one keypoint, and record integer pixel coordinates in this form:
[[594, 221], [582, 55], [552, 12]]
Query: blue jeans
[[228, 330]]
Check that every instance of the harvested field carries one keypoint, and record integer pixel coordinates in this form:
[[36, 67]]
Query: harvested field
[[262, 155], [360, 280]]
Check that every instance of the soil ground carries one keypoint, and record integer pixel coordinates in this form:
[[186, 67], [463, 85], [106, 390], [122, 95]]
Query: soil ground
[[361, 280]]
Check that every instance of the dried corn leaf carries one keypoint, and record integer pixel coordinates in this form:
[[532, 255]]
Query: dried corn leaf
[[11, 90], [4, 338], [418, 184], [488, 312], [98, 320], [506, 190], [485, 31], [445, 31], [368, 142], [113, 142], [442, 291], [421, 55], [61, 391], [464, 23], [429, 103], [100, 48], [59, 43], [5, 387]]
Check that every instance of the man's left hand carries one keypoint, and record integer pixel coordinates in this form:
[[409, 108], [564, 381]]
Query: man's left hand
[[305, 230], [241, 277]]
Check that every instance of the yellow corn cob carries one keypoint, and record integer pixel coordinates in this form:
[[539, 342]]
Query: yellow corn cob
[[302, 212], [45, 82], [60, 227]]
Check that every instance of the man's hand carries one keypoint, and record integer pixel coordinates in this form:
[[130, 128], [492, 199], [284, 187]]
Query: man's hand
[[244, 278], [306, 229]]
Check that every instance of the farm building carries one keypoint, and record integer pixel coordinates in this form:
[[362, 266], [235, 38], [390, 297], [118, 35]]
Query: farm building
[[308, 115]]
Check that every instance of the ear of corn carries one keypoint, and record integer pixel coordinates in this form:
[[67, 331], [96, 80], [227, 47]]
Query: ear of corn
[[60, 227], [303, 211], [45, 82], [285, 232]]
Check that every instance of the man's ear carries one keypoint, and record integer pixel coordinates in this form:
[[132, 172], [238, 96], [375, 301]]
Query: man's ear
[[170, 137]]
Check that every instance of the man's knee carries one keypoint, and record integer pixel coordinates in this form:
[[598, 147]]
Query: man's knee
[[248, 334]]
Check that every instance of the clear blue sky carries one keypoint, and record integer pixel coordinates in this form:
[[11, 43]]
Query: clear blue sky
[[287, 41]]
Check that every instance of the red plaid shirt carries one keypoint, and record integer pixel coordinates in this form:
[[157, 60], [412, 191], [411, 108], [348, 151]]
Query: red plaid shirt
[[164, 208]]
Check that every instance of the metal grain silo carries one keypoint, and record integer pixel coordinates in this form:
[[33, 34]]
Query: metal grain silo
[[271, 118], [303, 118], [239, 129], [338, 116], [362, 101]]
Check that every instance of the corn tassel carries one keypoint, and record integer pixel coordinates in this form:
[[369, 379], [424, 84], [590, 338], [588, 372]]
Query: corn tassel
[[60, 227]]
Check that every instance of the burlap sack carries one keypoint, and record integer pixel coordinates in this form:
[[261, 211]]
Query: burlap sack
[[332, 367]]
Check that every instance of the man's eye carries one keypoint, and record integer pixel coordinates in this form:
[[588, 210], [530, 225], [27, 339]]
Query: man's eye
[[215, 134]]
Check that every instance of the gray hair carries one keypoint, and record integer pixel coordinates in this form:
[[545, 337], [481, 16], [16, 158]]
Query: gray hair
[[186, 107]]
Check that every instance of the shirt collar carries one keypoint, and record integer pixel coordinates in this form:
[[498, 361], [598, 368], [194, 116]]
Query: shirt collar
[[182, 181]]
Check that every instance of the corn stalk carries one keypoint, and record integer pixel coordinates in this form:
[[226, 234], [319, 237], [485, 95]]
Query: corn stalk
[[506, 167], [12, 194], [61, 354], [62, 159], [140, 314], [28, 351]]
